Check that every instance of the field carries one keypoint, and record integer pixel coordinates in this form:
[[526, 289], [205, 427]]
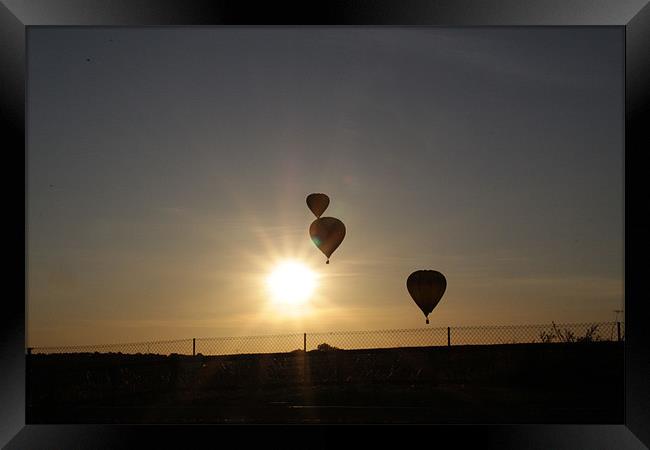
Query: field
[[510, 383]]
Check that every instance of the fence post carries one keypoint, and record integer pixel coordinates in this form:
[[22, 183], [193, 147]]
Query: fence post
[[618, 330], [193, 346], [448, 337], [304, 342]]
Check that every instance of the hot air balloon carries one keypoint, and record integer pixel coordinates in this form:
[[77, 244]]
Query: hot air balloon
[[318, 203], [327, 233], [426, 287]]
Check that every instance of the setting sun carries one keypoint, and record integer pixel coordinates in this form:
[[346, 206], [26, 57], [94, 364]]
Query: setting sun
[[291, 283]]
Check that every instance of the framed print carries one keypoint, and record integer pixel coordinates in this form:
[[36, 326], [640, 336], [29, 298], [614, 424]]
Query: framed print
[[287, 218]]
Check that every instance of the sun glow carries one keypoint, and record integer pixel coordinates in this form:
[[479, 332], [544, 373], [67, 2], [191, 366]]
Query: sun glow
[[291, 283]]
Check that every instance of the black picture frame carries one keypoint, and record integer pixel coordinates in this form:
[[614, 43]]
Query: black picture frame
[[632, 16]]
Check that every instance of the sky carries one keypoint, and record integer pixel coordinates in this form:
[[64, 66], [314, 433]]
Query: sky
[[167, 170]]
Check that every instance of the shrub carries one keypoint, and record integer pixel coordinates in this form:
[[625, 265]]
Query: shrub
[[546, 337], [563, 336], [568, 336], [590, 335], [326, 347]]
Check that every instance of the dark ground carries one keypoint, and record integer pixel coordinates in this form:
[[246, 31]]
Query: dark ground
[[516, 383]]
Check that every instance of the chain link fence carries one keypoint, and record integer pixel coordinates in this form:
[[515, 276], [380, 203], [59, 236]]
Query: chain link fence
[[250, 344], [179, 346], [352, 340]]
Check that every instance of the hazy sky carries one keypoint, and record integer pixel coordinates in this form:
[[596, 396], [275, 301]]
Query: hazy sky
[[168, 170]]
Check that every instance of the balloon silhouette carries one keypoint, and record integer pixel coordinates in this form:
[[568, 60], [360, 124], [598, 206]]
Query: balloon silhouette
[[327, 233], [318, 203], [426, 287]]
